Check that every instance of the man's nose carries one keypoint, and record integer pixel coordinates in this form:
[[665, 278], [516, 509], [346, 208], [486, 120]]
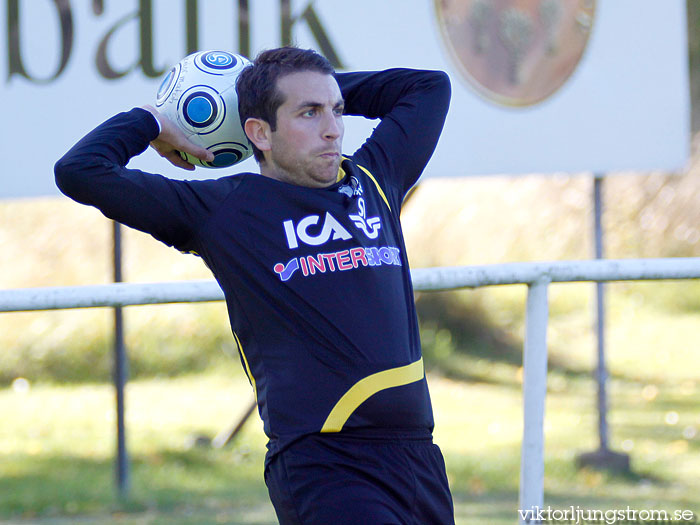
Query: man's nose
[[333, 127]]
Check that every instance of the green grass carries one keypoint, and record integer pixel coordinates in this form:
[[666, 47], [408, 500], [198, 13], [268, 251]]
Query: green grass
[[57, 447], [58, 443]]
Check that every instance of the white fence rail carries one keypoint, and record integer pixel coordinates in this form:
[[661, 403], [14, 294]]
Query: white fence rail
[[537, 276], [424, 279]]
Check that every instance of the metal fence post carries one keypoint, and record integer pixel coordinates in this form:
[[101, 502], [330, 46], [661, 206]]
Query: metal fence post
[[534, 393], [120, 375], [604, 457], [601, 372]]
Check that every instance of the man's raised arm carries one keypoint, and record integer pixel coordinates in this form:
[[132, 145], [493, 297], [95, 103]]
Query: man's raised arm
[[412, 104], [94, 172]]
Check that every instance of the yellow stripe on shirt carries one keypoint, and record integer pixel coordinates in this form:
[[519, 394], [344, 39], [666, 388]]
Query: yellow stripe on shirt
[[247, 368], [379, 188], [367, 387]]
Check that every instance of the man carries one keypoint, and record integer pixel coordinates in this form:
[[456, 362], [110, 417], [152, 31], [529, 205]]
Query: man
[[311, 259]]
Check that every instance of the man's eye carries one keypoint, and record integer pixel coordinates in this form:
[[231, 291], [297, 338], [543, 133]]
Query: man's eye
[[309, 113], [339, 111]]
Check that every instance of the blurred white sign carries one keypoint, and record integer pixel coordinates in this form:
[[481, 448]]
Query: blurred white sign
[[623, 103]]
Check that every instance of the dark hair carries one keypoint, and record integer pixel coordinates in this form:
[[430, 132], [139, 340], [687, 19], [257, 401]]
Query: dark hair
[[256, 85]]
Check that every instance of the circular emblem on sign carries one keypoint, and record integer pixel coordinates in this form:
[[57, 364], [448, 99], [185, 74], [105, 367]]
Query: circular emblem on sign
[[516, 52]]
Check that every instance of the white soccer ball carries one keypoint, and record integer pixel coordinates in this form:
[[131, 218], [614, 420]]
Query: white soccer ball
[[199, 95]]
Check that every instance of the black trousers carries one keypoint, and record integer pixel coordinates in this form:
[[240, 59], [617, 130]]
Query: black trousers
[[335, 479]]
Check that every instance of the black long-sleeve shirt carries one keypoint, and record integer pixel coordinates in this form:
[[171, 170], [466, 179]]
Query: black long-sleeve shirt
[[316, 281]]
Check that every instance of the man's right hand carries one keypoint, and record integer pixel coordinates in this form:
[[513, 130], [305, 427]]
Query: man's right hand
[[171, 141]]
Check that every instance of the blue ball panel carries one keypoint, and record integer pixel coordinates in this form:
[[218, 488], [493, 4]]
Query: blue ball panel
[[199, 109], [226, 158], [166, 83], [219, 59]]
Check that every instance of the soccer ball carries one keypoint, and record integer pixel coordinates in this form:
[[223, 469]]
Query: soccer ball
[[199, 95]]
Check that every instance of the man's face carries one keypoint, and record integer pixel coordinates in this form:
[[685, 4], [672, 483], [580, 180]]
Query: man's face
[[305, 148]]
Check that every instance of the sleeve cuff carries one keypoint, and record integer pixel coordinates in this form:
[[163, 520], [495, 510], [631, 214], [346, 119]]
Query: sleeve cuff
[[158, 124], [153, 123]]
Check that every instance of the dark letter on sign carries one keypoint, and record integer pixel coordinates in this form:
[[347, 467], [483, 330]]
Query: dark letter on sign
[[103, 66], [244, 28], [16, 67], [145, 16], [314, 23], [192, 25], [147, 41]]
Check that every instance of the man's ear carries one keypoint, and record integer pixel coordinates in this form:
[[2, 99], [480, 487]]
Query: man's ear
[[259, 133]]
